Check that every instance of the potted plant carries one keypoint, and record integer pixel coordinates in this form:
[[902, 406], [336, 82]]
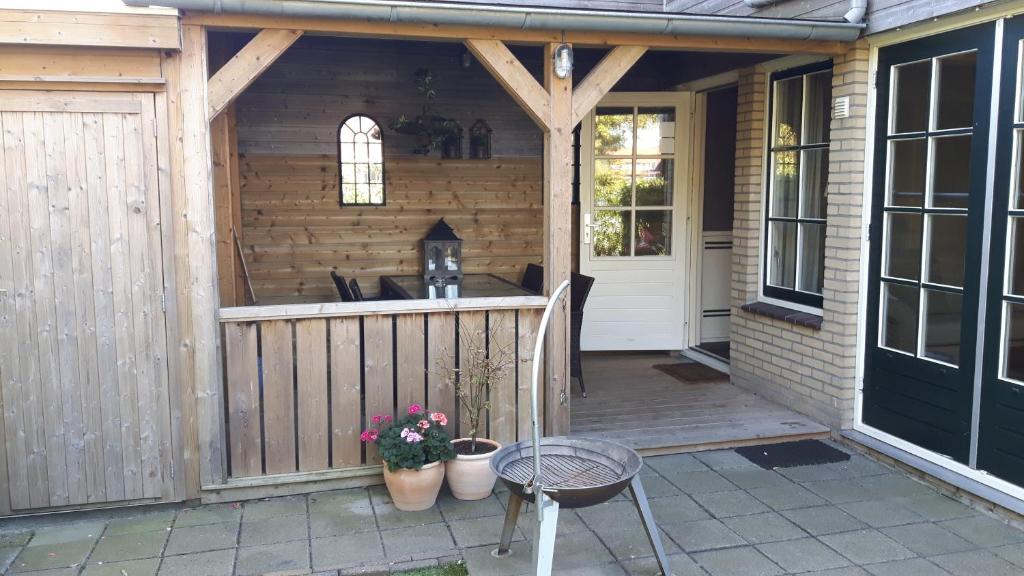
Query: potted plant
[[431, 131], [414, 448], [469, 473]]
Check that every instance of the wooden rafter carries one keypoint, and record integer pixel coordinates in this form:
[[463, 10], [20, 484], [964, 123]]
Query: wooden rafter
[[246, 66], [602, 78], [514, 78]]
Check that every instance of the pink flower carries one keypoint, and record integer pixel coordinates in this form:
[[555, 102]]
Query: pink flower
[[406, 432], [415, 409], [369, 436], [440, 418], [413, 438], [377, 419], [424, 424], [386, 419]]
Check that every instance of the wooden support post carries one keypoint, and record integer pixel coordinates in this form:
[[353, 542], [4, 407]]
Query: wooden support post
[[201, 283], [246, 66], [557, 240], [602, 78]]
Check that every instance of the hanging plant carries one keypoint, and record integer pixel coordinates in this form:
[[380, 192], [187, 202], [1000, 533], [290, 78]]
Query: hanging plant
[[432, 132]]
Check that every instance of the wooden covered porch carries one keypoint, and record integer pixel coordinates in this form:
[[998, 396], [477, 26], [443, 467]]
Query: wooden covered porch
[[283, 387]]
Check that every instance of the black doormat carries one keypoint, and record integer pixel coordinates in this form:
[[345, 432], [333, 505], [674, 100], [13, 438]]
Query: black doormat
[[691, 372], [792, 454]]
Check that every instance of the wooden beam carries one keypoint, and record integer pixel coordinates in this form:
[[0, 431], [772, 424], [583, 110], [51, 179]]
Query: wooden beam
[[513, 77], [246, 66], [577, 38], [202, 260], [557, 240], [57, 27], [602, 78]]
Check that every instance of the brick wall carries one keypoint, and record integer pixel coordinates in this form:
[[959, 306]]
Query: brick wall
[[811, 371]]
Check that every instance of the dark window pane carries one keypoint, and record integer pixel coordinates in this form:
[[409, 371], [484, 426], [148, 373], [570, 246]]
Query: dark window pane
[[782, 254], [814, 173], [1016, 256], [907, 168], [613, 182], [812, 258], [613, 132], [819, 107], [655, 131], [788, 105], [611, 233], [903, 240], [952, 171], [654, 182], [653, 233], [1017, 201], [912, 84], [1013, 363], [946, 249], [955, 104], [785, 184], [943, 312], [899, 317]]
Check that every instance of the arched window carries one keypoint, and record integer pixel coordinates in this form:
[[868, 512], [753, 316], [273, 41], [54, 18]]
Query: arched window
[[361, 162]]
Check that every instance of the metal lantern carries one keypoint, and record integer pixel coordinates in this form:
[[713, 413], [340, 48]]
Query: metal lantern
[[480, 140], [442, 256]]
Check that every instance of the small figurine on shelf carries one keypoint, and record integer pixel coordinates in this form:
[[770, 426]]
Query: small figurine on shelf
[[480, 140]]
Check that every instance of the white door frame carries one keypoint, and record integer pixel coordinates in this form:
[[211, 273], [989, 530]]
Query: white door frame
[[682, 226]]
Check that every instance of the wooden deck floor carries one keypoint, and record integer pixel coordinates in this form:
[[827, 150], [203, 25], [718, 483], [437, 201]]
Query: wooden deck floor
[[630, 402]]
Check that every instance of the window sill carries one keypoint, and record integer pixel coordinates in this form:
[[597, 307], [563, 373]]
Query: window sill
[[805, 319]]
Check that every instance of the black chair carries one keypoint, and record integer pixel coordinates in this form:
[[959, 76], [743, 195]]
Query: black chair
[[533, 278], [581, 286], [357, 292], [343, 289]]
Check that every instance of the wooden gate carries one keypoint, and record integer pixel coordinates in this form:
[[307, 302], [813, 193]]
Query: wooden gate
[[83, 339]]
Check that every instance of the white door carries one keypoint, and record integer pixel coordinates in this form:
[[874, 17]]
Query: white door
[[634, 222]]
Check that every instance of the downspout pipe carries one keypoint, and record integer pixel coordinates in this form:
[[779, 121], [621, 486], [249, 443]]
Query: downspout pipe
[[855, 15], [516, 17]]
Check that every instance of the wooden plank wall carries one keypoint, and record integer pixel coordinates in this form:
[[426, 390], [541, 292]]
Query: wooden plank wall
[[295, 233], [299, 392]]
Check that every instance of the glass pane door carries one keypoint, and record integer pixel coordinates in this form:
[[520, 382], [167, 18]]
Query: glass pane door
[[634, 171], [931, 146]]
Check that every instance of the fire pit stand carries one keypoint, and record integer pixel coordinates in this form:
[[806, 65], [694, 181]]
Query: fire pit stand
[[565, 472]]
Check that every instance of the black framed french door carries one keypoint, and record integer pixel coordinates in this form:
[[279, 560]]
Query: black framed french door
[[931, 149], [1001, 429]]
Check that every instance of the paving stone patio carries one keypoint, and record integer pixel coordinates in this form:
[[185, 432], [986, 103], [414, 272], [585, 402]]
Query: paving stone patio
[[719, 515]]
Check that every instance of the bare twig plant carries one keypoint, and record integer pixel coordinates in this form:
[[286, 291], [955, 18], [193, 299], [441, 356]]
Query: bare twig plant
[[483, 361]]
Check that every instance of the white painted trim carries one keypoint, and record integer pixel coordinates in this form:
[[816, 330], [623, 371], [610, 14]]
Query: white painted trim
[[979, 476], [698, 127]]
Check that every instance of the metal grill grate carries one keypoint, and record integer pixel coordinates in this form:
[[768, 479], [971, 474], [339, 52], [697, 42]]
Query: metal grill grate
[[559, 471]]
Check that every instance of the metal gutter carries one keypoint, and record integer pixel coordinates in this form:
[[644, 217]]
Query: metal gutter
[[516, 17]]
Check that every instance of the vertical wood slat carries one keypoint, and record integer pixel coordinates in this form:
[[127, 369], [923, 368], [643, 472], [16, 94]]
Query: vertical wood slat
[[529, 324], [13, 322], [411, 361], [378, 379], [44, 337], [243, 397], [113, 152], [13, 480], [103, 306], [160, 457], [472, 341], [502, 413], [278, 396], [346, 384], [85, 321], [440, 361], [311, 378], [142, 275]]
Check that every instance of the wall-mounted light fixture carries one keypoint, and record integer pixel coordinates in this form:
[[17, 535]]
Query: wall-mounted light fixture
[[466, 59], [563, 61]]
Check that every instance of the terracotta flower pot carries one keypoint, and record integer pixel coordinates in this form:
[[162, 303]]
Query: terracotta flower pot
[[414, 490], [469, 475]]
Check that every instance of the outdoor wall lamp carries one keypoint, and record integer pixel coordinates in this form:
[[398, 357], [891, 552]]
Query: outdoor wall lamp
[[563, 61]]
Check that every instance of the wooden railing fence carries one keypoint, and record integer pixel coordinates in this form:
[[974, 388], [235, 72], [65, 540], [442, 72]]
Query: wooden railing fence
[[301, 382]]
